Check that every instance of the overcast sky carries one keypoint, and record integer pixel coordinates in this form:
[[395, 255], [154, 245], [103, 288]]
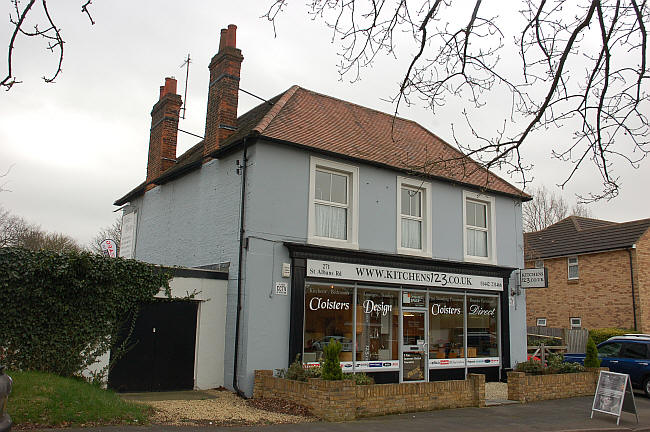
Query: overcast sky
[[76, 146]]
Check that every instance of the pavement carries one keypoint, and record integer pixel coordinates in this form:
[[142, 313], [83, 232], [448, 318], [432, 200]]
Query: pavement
[[556, 415]]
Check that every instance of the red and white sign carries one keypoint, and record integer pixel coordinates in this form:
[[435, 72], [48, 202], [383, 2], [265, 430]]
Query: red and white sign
[[109, 248]]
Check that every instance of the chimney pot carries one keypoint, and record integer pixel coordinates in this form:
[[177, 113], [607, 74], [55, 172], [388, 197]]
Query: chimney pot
[[169, 87], [231, 36], [222, 40]]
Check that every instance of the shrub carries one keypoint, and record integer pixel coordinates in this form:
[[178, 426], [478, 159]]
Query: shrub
[[554, 365], [359, 378], [601, 335], [331, 369], [591, 357], [297, 372], [60, 311], [532, 367], [534, 340]]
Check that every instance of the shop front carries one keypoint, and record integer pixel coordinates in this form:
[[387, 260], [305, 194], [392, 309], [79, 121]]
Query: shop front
[[400, 324]]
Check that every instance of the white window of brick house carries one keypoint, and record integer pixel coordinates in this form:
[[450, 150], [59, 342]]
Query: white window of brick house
[[333, 203], [572, 263], [413, 217], [479, 232], [541, 322], [576, 323]]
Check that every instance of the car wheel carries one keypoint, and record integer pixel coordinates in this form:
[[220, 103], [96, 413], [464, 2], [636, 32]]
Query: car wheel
[[646, 386]]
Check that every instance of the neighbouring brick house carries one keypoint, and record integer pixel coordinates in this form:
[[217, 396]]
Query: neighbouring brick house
[[330, 232], [598, 274]]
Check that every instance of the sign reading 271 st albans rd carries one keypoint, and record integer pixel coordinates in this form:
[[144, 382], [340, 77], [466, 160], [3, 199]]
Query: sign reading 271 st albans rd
[[360, 272]]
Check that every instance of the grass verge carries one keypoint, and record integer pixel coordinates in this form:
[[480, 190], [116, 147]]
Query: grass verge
[[43, 399]]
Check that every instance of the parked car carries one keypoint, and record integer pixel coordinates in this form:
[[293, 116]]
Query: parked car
[[5, 388], [628, 354], [346, 344]]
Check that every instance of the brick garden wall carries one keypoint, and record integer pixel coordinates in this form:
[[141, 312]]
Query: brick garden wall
[[344, 400], [531, 388]]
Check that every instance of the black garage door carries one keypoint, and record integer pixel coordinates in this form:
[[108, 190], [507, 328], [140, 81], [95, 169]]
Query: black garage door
[[161, 349]]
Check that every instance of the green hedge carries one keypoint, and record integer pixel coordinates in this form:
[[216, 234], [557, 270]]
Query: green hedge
[[601, 335], [59, 310]]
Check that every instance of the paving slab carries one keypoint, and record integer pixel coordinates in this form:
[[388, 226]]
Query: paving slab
[[171, 395]]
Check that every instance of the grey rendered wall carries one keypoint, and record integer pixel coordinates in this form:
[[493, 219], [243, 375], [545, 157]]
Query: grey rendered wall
[[194, 221], [276, 211], [510, 247]]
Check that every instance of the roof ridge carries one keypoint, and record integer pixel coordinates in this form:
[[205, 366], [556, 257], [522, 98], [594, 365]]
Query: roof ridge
[[277, 107]]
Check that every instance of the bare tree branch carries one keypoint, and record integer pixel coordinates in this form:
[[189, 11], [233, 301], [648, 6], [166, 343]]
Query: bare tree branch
[[583, 68], [51, 34]]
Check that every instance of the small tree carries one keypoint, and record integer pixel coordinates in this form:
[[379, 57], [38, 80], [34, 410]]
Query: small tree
[[332, 367], [591, 358]]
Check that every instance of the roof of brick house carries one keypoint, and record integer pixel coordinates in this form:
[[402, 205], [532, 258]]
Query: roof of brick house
[[578, 235], [330, 126]]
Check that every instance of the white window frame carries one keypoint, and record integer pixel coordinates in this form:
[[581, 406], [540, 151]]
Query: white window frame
[[425, 211], [352, 172], [578, 323], [490, 225], [569, 265], [541, 322]]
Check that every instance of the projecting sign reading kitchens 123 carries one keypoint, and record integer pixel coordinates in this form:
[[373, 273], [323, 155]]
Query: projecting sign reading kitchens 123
[[360, 272]]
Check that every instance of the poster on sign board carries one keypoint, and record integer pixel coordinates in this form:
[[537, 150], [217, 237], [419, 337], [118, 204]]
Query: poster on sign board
[[614, 395]]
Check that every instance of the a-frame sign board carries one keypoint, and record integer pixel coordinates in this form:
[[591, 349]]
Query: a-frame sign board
[[614, 395]]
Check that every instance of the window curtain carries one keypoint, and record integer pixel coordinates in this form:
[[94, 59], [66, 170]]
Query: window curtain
[[331, 222], [476, 243], [411, 234]]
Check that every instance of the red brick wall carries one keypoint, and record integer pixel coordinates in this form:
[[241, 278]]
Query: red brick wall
[[601, 297], [641, 258]]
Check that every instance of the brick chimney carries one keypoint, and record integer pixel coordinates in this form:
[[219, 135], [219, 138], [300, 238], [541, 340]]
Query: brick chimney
[[164, 131], [223, 92]]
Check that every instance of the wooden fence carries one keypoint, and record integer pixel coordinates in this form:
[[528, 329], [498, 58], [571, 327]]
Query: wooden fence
[[574, 339]]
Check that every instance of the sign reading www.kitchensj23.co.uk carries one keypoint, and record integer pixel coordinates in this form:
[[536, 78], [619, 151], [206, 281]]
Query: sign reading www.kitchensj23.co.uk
[[336, 270]]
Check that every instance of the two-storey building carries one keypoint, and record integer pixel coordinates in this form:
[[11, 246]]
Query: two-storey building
[[336, 222]]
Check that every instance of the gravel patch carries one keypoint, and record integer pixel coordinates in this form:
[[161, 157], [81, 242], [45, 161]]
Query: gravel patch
[[225, 409], [496, 390]]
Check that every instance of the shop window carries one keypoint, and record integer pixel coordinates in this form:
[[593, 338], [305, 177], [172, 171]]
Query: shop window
[[413, 217], [541, 322], [446, 327], [573, 267], [377, 325], [478, 216], [328, 317], [576, 323], [333, 203], [482, 325]]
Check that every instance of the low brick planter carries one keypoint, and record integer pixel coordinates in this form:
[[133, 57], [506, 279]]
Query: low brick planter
[[344, 400], [530, 388]]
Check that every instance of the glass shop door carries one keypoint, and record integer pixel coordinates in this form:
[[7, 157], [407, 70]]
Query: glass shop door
[[415, 360]]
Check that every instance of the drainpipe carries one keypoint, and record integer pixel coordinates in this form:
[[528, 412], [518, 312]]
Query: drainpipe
[[629, 251], [239, 269]]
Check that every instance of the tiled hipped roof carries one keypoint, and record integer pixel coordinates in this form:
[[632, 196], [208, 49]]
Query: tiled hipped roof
[[325, 124], [576, 235]]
